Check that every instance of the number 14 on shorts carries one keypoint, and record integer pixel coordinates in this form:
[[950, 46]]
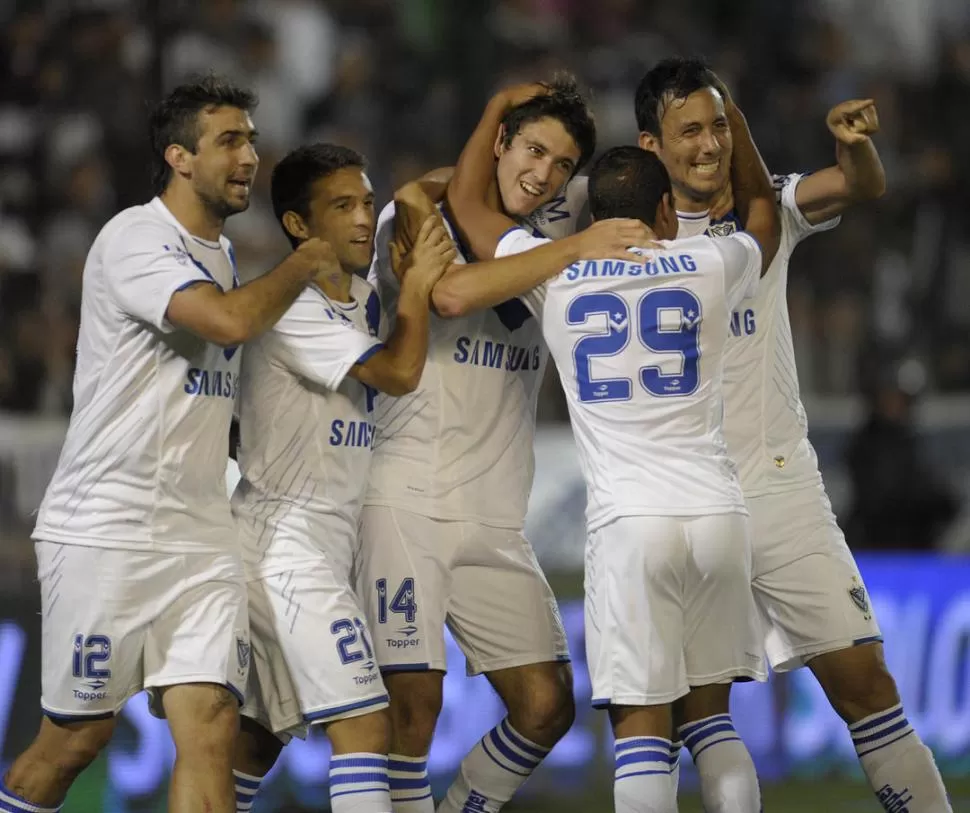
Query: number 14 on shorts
[[402, 603]]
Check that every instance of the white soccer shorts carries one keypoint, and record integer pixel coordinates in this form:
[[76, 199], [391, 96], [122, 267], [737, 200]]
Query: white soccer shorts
[[313, 661], [806, 583], [119, 621], [415, 574], [669, 606]]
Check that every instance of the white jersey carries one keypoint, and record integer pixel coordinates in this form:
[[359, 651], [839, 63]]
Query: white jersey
[[460, 446], [639, 349], [764, 420], [144, 461], [306, 429]]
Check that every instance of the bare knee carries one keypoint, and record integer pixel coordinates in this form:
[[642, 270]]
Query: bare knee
[[856, 681], [416, 699], [367, 734], [539, 699], [204, 721], [702, 702]]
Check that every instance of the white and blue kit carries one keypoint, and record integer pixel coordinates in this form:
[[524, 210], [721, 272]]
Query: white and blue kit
[[140, 572]]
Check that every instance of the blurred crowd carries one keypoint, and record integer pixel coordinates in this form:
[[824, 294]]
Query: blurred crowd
[[405, 80]]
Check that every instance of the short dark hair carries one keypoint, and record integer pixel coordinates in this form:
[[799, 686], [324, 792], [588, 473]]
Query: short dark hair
[[669, 80], [175, 119], [291, 186], [627, 182], [564, 103]]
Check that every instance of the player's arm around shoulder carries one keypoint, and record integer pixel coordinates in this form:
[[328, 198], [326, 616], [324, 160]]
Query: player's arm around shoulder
[[524, 261], [396, 368], [230, 318], [858, 174]]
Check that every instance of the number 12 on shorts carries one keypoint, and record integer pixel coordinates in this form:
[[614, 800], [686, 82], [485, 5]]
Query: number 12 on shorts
[[88, 653], [402, 603]]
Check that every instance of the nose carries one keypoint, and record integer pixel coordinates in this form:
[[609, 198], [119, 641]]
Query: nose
[[709, 143], [542, 170], [363, 215], [249, 157]]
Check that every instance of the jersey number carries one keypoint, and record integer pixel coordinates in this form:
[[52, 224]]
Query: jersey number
[[85, 663], [403, 602], [668, 323], [351, 631]]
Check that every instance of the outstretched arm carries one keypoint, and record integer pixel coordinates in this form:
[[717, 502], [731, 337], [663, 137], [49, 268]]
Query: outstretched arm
[[858, 174]]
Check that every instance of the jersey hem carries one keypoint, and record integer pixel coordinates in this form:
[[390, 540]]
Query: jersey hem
[[136, 546], [783, 488], [601, 520]]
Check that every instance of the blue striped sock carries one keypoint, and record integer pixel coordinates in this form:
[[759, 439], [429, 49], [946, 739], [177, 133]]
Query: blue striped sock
[[675, 748], [358, 783], [410, 789], [879, 730], [246, 789], [642, 775], [728, 778], [10, 802], [493, 771]]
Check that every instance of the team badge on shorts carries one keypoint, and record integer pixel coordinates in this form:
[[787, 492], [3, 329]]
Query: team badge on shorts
[[243, 650], [858, 595]]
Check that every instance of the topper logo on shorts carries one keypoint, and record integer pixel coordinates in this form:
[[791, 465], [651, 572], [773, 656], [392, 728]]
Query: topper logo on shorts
[[371, 677], [893, 801]]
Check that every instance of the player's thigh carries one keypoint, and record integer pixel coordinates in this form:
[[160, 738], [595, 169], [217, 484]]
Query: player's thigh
[[201, 634], [807, 585], [203, 718], [313, 658], [403, 579], [723, 636], [95, 604], [635, 572], [502, 612]]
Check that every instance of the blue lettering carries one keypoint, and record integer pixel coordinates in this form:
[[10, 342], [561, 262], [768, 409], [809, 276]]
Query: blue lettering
[[462, 355], [613, 268], [651, 268], [634, 270], [474, 358], [688, 262], [572, 272], [192, 385], [669, 265], [336, 433], [590, 269], [492, 354], [748, 323]]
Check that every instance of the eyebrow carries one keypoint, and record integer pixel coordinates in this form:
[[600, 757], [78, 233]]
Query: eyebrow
[[251, 134]]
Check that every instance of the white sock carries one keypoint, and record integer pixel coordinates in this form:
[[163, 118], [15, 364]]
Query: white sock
[[410, 789], [358, 784], [675, 749], [900, 769], [246, 789], [641, 781], [493, 771], [729, 783], [11, 801]]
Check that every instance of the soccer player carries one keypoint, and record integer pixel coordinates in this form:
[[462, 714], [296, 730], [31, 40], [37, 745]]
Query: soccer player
[[810, 593], [706, 641], [140, 573], [441, 527], [306, 429]]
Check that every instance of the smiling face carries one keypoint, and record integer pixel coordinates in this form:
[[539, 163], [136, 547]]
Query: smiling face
[[534, 165], [695, 146], [342, 213], [222, 167]]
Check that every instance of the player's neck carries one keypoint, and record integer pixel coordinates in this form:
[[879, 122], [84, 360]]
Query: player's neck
[[335, 284], [195, 216], [689, 205]]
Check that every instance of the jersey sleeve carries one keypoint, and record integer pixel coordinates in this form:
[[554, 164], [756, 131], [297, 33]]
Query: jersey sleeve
[[315, 345], [742, 266], [516, 241], [793, 221], [145, 264], [381, 274]]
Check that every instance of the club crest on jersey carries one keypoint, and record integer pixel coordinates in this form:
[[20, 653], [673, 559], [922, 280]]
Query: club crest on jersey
[[179, 254], [722, 228], [243, 651], [859, 597]]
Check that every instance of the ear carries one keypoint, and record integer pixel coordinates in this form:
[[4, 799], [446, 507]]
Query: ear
[[499, 141], [179, 159], [649, 142], [295, 226]]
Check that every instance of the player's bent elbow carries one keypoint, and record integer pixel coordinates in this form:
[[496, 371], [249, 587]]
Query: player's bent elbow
[[446, 304]]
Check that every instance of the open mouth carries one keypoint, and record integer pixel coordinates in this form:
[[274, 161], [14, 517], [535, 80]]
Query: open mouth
[[241, 184], [531, 190], [708, 169]]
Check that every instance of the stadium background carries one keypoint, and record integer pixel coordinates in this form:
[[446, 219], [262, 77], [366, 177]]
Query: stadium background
[[880, 307]]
